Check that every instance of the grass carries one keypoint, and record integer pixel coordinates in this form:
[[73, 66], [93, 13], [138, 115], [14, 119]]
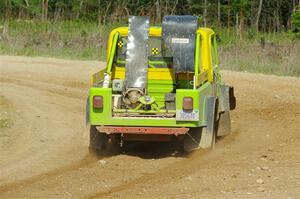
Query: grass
[[67, 39], [4, 123], [279, 58], [279, 55], [87, 41]]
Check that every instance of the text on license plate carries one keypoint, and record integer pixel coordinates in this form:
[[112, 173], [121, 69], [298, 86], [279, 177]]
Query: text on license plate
[[187, 116]]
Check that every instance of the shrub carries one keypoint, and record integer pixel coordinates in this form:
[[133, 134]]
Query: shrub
[[296, 24]]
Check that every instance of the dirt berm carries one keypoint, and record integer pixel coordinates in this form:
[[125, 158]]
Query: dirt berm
[[43, 141]]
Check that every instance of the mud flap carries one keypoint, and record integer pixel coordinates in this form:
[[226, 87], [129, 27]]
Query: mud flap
[[208, 133], [203, 137], [227, 103], [224, 124], [227, 98], [232, 99]]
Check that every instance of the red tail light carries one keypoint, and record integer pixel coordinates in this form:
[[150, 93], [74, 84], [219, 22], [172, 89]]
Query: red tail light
[[98, 101], [187, 103]]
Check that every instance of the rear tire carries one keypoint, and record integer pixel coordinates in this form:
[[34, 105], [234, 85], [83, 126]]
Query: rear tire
[[98, 141]]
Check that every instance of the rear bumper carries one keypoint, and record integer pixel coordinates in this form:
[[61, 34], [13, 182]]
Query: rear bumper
[[142, 130]]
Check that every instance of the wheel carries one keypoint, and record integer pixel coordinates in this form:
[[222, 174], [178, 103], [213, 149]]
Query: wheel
[[224, 124], [98, 141]]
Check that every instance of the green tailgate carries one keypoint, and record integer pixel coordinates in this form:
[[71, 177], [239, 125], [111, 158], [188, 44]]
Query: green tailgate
[[104, 116]]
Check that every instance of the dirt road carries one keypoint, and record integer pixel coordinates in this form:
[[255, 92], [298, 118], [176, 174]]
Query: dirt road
[[43, 151]]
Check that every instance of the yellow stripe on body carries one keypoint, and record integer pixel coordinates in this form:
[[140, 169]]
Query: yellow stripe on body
[[154, 74]]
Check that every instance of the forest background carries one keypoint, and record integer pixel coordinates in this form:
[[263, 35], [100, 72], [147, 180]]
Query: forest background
[[253, 35]]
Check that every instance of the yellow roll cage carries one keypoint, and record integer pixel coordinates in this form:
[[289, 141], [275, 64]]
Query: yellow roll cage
[[205, 40]]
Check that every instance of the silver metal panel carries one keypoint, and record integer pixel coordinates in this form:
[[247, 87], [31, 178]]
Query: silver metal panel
[[179, 36], [136, 64], [224, 98]]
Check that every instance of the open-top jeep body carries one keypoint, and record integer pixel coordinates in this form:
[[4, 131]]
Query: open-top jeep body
[[160, 83]]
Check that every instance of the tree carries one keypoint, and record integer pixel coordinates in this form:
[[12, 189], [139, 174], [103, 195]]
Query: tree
[[204, 12], [262, 15], [296, 23], [44, 9], [258, 14]]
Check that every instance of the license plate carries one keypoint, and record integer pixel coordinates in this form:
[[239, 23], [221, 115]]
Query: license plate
[[187, 116]]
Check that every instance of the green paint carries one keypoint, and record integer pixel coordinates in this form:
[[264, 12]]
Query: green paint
[[181, 93], [97, 116], [158, 89], [103, 116]]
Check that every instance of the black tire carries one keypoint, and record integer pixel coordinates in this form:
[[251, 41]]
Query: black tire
[[98, 141]]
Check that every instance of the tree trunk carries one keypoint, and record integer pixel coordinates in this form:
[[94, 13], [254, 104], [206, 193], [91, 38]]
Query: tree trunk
[[219, 12], [80, 8], [258, 15], [57, 13], [99, 12], [46, 9], [242, 23], [228, 15], [106, 11], [204, 12], [19, 13], [7, 9], [158, 12], [43, 12], [26, 2], [174, 7], [237, 23], [294, 5]]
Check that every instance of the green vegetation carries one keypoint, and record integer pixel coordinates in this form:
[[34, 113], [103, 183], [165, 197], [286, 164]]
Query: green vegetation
[[263, 15], [4, 123], [276, 57], [257, 35], [87, 40], [65, 39], [295, 31]]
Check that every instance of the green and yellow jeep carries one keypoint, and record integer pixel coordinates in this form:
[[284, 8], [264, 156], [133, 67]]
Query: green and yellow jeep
[[160, 83]]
